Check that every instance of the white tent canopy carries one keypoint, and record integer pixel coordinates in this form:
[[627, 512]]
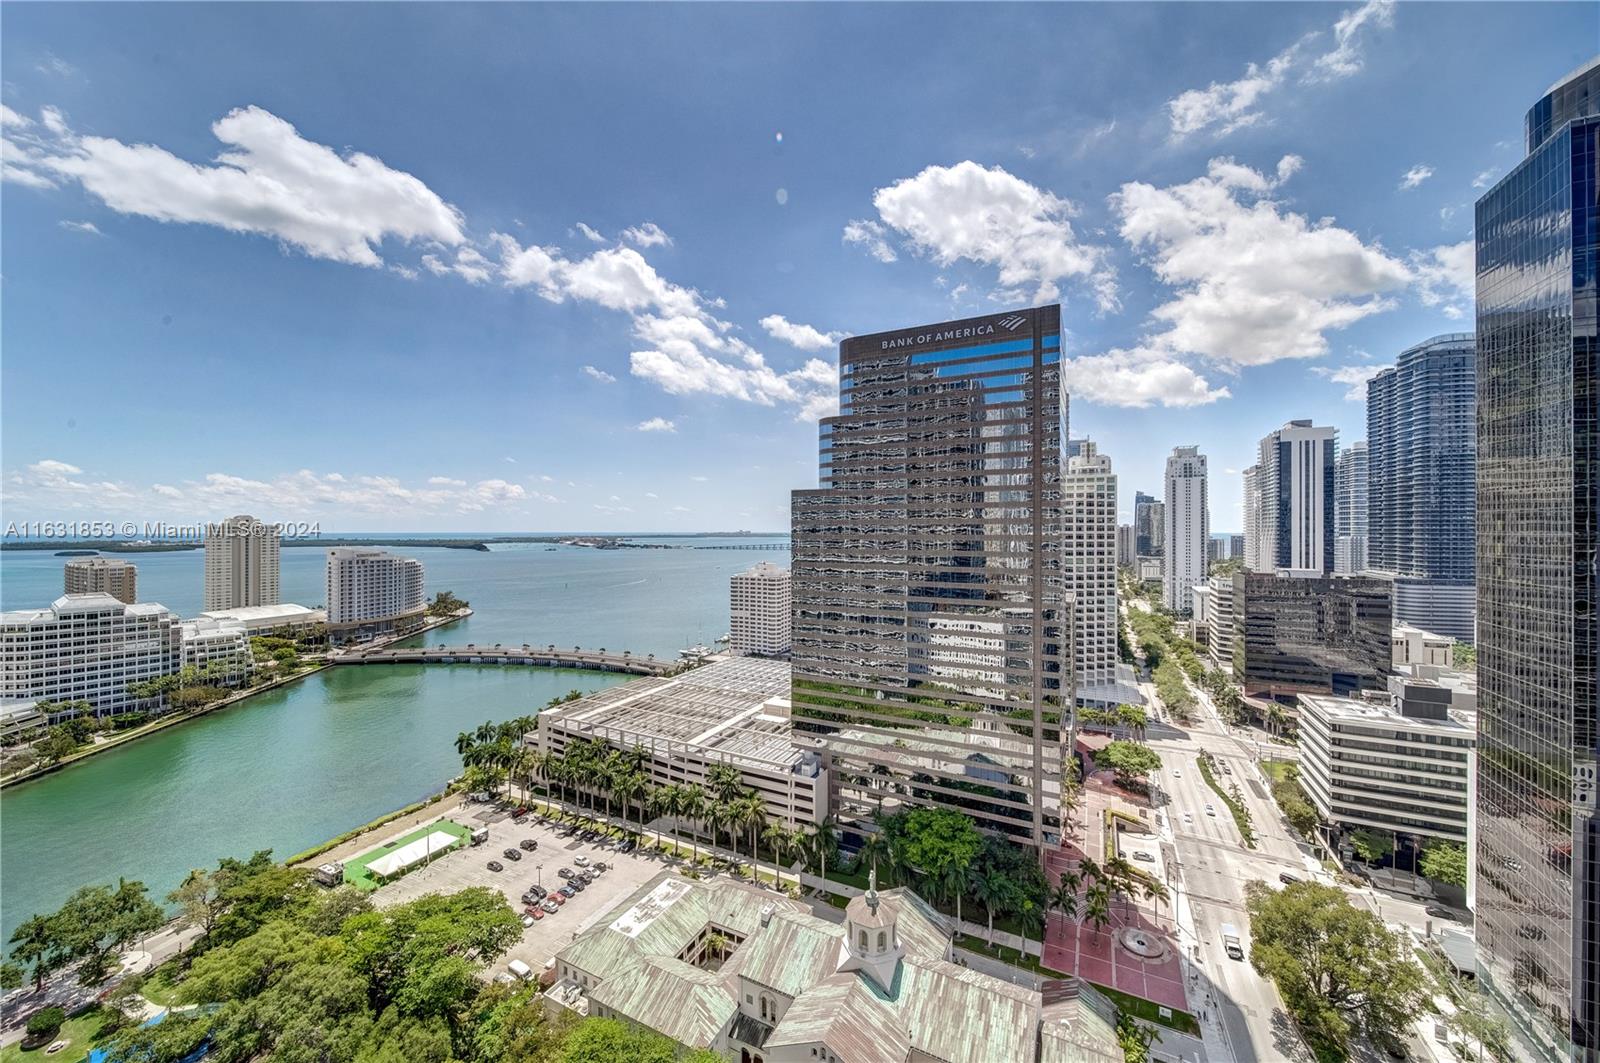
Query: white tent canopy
[[411, 854]]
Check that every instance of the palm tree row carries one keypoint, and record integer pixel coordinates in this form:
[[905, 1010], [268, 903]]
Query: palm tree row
[[1086, 893]]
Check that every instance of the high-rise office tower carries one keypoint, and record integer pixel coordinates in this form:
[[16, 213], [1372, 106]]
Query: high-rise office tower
[[932, 658], [1090, 493], [1350, 510], [1422, 431], [1538, 389], [759, 605], [1148, 525], [1187, 533], [1252, 519], [241, 564], [102, 575], [1295, 489]]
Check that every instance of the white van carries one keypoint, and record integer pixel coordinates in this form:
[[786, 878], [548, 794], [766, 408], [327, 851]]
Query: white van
[[520, 969], [1230, 942]]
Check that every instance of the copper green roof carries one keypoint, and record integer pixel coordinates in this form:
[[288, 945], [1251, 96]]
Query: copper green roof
[[685, 1003]]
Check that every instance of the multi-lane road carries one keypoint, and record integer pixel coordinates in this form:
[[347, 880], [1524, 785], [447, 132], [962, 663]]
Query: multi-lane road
[[1209, 865]]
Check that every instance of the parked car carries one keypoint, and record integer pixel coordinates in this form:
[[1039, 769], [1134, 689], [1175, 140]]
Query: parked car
[[551, 906], [520, 818], [527, 920], [527, 845], [1287, 879], [495, 865], [600, 865], [521, 810], [1140, 854], [581, 860], [628, 846], [558, 897], [566, 891], [1225, 769], [565, 872], [512, 854], [536, 912], [1211, 810], [1439, 911], [536, 892]]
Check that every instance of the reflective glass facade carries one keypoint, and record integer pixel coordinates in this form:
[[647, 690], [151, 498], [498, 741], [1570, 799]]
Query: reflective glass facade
[[1538, 888], [1310, 635], [932, 628]]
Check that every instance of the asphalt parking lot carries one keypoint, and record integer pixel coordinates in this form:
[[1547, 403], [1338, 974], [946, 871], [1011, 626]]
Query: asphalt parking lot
[[469, 867]]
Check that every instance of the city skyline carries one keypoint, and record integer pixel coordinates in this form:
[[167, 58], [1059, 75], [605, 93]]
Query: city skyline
[[672, 291]]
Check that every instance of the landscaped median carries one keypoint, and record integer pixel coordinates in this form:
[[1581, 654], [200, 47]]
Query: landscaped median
[[1241, 814]]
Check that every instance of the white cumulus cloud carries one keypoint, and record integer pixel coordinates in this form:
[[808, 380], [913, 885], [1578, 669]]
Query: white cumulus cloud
[[1415, 176], [805, 337], [656, 424], [647, 235], [269, 180], [993, 218], [1353, 377], [872, 236], [601, 375]]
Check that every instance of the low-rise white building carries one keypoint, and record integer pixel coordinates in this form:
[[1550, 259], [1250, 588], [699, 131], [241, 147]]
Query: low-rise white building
[[760, 611], [268, 620], [1403, 764], [372, 592], [752, 975], [223, 646], [87, 647], [1412, 645], [734, 712], [286, 619]]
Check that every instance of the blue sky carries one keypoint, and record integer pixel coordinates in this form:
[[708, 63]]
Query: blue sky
[[550, 267]]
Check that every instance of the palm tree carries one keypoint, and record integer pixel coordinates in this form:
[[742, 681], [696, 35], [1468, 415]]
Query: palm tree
[[464, 742], [1030, 917], [1097, 906], [1065, 895], [638, 758], [782, 842], [719, 814], [663, 801], [692, 806], [628, 786], [824, 840], [750, 812], [874, 847], [990, 889], [520, 765], [954, 883], [1123, 878], [486, 731], [724, 781]]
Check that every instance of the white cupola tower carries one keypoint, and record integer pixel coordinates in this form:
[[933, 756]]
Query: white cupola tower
[[872, 942]]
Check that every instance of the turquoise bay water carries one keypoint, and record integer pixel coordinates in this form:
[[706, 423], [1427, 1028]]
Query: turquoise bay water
[[287, 769]]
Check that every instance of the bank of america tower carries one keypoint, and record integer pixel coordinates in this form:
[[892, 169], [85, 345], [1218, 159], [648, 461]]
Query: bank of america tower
[[932, 659]]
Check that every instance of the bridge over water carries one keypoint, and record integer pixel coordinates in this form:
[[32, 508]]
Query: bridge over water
[[532, 656]]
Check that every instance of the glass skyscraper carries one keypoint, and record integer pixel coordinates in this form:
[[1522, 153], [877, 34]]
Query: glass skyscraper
[[1422, 493], [1350, 510], [1537, 864], [932, 659]]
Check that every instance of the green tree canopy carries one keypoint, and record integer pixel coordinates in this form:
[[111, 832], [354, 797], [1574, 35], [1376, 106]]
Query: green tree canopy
[[98, 922], [1372, 845], [1129, 760], [1445, 862], [1339, 968]]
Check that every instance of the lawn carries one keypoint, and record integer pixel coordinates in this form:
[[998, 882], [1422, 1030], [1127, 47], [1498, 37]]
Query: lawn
[[80, 1032], [355, 870], [158, 988], [1278, 770]]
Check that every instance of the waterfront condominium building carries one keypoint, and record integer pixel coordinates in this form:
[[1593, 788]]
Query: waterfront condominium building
[[1294, 493], [102, 575], [372, 592], [1252, 519], [1350, 510], [1090, 493], [1187, 534], [1149, 525], [87, 647], [932, 659], [1538, 518], [759, 610], [1422, 431], [219, 648], [241, 563]]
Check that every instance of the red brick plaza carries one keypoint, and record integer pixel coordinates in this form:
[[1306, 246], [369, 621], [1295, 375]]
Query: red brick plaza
[[1094, 954]]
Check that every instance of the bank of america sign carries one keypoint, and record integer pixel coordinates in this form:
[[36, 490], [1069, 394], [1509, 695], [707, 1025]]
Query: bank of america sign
[[1012, 323]]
